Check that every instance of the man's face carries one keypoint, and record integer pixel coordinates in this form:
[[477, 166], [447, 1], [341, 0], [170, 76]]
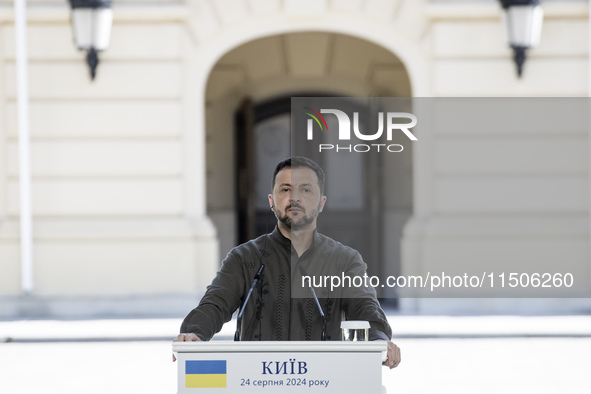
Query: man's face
[[296, 198]]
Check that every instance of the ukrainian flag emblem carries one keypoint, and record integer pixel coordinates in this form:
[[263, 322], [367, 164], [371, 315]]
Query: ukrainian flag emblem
[[205, 373]]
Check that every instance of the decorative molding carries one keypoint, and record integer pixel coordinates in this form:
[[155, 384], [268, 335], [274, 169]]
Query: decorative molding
[[122, 13], [492, 10]]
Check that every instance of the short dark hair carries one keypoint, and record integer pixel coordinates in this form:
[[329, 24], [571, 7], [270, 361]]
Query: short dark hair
[[298, 162]]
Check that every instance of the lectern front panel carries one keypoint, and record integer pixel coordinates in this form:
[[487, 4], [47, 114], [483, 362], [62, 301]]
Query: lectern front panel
[[279, 367]]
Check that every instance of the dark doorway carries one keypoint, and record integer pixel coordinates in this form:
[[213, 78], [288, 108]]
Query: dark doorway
[[262, 141], [352, 213]]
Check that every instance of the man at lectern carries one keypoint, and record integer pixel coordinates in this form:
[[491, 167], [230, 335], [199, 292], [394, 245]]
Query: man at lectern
[[294, 297]]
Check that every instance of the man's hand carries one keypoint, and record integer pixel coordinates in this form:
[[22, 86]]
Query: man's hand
[[190, 337], [393, 356]]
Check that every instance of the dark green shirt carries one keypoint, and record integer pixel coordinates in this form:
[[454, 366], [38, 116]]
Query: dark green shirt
[[280, 308]]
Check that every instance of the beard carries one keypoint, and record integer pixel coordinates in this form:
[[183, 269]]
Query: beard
[[301, 222]]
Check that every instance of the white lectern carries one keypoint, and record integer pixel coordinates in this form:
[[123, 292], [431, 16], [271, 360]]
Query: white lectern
[[280, 367]]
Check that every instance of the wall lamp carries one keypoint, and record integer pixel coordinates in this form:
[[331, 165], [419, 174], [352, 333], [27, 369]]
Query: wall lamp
[[91, 23], [524, 27]]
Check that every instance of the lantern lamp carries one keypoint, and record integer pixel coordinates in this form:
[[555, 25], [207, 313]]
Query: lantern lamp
[[91, 23], [523, 19]]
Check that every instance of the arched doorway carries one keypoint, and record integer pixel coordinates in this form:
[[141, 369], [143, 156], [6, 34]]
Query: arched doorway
[[247, 128]]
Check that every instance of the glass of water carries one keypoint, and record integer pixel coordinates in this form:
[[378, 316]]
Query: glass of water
[[355, 330]]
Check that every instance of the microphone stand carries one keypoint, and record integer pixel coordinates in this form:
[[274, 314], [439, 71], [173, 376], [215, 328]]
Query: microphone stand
[[257, 276]]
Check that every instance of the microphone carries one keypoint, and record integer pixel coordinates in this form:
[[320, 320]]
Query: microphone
[[323, 335], [257, 276]]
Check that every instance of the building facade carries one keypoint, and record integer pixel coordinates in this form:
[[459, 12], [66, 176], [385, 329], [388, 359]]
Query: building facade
[[134, 173]]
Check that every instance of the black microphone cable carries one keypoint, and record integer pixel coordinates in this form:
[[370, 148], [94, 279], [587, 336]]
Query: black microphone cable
[[323, 334]]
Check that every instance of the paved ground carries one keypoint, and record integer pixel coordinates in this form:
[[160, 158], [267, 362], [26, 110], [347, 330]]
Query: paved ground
[[440, 355]]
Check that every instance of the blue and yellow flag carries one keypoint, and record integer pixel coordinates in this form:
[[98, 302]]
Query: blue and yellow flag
[[205, 373]]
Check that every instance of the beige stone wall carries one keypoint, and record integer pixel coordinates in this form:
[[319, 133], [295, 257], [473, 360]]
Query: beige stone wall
[[113, 202], [471, 56], [501, 199]]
